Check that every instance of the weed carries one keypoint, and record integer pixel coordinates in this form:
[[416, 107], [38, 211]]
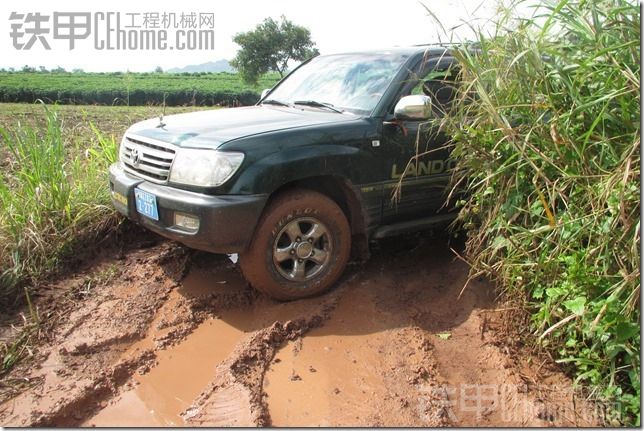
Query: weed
[[547, 133]]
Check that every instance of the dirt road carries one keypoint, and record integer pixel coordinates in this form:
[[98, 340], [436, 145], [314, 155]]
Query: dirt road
[[166, 336]]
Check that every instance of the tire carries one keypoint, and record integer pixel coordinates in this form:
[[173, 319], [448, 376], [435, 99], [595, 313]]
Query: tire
[[300, 248]]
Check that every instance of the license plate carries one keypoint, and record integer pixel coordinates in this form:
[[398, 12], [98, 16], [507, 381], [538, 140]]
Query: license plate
[[146, 204]]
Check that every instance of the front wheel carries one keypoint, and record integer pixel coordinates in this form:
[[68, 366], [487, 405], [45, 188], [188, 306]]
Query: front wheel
[[301, 246]]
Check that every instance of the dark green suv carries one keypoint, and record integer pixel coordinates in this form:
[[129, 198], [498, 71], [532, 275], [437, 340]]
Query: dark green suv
[[298, 181]]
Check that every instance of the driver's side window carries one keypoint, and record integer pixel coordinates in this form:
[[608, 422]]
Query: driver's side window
[[441, 90]]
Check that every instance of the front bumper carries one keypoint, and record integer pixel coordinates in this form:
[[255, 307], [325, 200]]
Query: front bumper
[[226, 222]]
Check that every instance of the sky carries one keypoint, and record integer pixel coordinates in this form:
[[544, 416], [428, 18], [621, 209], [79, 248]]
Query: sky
[[335, 25]]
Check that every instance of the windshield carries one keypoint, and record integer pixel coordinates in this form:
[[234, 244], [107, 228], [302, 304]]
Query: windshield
[[347, 82]]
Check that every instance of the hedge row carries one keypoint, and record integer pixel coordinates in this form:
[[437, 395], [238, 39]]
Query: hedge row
[[131, 88]]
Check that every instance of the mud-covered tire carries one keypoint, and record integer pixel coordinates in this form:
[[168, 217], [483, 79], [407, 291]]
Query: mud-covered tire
[[288, 266]]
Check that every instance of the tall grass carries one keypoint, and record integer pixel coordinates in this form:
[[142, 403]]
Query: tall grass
[[547, 133], [52, 195]]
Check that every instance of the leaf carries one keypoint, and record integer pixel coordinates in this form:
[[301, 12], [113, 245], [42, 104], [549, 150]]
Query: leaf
[[613, 349], [500, 242], [625, 330], [444, 335], [635, 379], [554, 292], [576, 305]]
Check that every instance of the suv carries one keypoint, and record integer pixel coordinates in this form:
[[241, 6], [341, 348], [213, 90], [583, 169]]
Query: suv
[[338, 153]]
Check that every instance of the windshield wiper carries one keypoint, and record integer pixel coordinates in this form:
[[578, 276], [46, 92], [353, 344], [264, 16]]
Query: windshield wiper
[[317, 104], [274, 102]]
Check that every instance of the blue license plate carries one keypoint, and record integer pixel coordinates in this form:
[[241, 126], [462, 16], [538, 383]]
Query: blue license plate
[[146, 204]]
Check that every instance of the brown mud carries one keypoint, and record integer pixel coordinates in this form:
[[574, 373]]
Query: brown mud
[[175, 337]]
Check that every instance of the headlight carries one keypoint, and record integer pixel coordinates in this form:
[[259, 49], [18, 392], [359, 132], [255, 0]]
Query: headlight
[[204, 168]]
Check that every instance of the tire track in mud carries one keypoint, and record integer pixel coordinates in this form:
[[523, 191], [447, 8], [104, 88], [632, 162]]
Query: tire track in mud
[[179, 338], [91, 355], [235, 397], [83, 362]]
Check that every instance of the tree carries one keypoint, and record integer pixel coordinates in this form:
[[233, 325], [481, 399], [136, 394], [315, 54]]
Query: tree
[[158, 69], [270, 47]]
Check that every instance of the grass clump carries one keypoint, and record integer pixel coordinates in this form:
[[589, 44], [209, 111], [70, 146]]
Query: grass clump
[[547, 133], [52, 196]]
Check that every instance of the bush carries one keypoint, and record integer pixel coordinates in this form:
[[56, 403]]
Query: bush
[[547, 134]]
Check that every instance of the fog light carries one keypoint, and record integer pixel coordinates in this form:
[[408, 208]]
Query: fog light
[[187, 222]]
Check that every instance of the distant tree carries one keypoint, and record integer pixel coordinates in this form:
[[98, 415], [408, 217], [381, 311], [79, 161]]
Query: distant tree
[[42, 69], [78, 71], [270, 47], [12, 69], [26, 68], [158, 70], [58, 70]]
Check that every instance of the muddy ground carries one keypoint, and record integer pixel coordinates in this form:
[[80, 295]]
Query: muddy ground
[[149, 333]]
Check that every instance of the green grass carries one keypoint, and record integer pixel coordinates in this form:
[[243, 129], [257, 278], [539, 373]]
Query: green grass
[[49, 196], [131, 88], [547, 133], [54, 195]]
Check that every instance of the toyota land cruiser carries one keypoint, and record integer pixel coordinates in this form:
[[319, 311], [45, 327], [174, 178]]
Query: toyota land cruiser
[[298, 181]]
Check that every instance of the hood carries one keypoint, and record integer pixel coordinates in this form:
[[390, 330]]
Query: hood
[[210, 129]]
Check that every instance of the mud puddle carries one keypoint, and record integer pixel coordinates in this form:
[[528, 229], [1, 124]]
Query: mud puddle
[[178, 338], [179, 375], [157, 394]]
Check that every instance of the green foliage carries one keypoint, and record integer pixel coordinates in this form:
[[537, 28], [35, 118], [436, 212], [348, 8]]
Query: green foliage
[[547, 133], [270, 47], [117, 88], [50, 197]]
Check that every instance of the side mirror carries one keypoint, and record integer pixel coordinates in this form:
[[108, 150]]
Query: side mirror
[[265, 93], [414, 108]]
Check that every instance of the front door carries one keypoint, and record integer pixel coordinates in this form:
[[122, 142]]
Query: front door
[[417, 163]]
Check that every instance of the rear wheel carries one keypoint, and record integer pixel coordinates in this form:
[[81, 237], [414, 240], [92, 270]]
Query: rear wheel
[[301, 246]]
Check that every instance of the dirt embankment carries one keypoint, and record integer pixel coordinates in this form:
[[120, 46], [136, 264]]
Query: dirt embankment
[[176, 337]]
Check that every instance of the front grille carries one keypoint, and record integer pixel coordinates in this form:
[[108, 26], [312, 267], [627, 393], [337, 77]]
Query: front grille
[[147, 158]]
